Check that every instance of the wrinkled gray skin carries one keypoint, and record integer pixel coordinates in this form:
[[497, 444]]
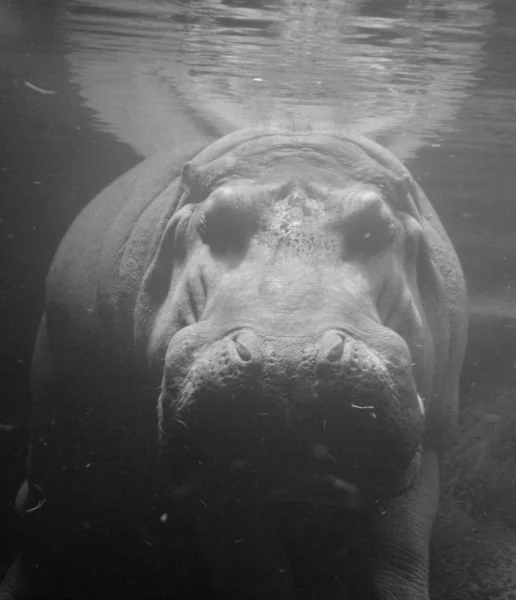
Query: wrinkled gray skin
[[269, 336]]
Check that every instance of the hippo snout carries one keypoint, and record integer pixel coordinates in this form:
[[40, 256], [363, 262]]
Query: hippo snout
[[247, 347], [331, 348], [247, 391]]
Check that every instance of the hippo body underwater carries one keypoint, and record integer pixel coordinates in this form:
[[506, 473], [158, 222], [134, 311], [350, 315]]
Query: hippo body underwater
[[245, 376]]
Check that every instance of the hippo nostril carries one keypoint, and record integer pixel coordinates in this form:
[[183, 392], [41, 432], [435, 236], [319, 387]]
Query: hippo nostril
[[332, 347], [336, 351], [246, 345], [243, 351]]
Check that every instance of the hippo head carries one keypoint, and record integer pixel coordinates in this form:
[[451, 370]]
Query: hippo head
[[284, 307]]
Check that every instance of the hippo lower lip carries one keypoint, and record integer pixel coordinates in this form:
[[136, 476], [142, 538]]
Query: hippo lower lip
[[269, 480], [280, 465]]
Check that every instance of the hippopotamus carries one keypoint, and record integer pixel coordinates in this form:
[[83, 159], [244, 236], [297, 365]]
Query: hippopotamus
[[244, 380]]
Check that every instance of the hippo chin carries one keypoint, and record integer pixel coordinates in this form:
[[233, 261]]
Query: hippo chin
[[266, 339]]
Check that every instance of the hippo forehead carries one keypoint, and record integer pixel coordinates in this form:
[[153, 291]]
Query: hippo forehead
[[322, 162]]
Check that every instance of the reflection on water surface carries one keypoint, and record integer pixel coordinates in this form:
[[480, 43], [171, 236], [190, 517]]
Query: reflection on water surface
[[400, 69]]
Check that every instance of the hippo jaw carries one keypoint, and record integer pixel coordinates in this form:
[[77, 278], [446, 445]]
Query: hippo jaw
[[311, 421], [293, 320]]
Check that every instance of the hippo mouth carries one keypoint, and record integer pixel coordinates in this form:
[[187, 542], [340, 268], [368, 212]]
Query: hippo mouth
[[333, 426], [279, 473]]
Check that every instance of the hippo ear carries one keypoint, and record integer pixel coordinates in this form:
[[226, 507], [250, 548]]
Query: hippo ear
[[191, 184], [409, 195]]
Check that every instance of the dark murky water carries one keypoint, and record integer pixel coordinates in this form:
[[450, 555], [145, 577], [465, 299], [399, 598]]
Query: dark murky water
[[89, 86]]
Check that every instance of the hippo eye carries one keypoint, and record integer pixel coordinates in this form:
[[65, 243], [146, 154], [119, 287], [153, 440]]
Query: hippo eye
[[228, 224], [368, 234]]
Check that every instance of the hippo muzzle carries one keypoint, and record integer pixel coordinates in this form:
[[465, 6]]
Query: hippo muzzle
[[314, 414]]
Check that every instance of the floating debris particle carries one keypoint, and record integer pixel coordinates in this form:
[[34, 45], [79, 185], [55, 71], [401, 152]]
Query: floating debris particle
[[322, 453], [369, 409], [37, 507], [38, 89], [361, 407]]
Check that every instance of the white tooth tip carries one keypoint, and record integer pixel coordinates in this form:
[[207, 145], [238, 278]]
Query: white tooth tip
[[421, 404]]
